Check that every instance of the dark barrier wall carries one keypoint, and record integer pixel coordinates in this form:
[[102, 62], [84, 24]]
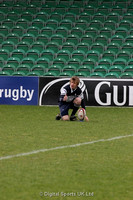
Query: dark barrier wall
[[97, 92], [19, 90]]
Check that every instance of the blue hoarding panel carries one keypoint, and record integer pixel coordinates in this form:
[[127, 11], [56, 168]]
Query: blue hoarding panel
[[19, 90]]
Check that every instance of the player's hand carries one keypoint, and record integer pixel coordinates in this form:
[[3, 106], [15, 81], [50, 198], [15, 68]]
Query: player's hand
[[65, 98], [86, 119]]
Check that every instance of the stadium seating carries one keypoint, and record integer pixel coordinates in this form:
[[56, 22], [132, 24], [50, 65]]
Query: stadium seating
[[84, 34]]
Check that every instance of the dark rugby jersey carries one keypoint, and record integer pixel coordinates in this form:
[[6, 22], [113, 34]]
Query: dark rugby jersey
[[71, 94]]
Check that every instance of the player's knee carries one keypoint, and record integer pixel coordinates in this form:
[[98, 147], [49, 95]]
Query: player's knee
[[77, 101], [65, 118]]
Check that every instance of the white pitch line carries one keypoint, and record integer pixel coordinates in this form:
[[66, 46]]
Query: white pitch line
[[63, 147]]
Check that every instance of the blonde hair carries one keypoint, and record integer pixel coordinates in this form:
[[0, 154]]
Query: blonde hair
[[75, 79]]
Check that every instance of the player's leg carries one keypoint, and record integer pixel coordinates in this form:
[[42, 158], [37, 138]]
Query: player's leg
[[64, 108]]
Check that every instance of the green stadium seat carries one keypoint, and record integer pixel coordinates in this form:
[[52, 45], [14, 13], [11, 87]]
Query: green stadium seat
[[47, 31], [93, 31], [2, 38], [106, 31], [109, 54], [117, 9], [12, 15], [19, 30], [23, 68], [87, 38], [117, 39], [62, 31], [128, 68], [23, 45], [55, 68], [13, 37], [81, 74], [65, 74], [70, 16], [18, 73], [82, 46], [112, 75], [9, 68], [57, 38], [121, 31], [28, 38], [51, 23], [90, 62], [13, 61], [96, 75], [130, 61], [28, 61], [56, 16], [83, 24], [38, 46], [8, 23], [4, 53], [96, 24], [93, 54], [4, 73], [43, 61], [103, 9], [98, 47], [126, 46], [74, 62], [101, 69], [129, 39], [113, 46], [34, 73], [9, 45], [66, 23], [110, 24], [23, 23], [60, 9], [77, 31], [47, 53], [70, 69], [85, 16], [89, 9], [73, 38], [124, 54], [4, 30], [105, 61], [113, 16], [101, 39], [42, 15], [4, 8], [74, 9], [99, 16], [64, 54], [119, 61], [50, 73], [80, 54], [85, 69], [59, 61], [39, 67], [18, 53], [116, 68], [54, 46], [27, 16], [33, 30], [70, 46], [125, 24], [31, 9], [39, 23], [126, 75], [42, 38], [33, 53], [128, 16]]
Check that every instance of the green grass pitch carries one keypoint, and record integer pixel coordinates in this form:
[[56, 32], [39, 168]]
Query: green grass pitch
[[95, 171]]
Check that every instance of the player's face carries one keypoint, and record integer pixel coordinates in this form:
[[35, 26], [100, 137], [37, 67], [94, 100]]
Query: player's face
[[73, 85]]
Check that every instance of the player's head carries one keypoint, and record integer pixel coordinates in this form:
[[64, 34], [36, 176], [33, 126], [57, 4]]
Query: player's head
[[74, 81]]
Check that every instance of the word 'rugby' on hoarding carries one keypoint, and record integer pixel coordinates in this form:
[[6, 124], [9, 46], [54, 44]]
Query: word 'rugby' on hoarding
[[19, 90]]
